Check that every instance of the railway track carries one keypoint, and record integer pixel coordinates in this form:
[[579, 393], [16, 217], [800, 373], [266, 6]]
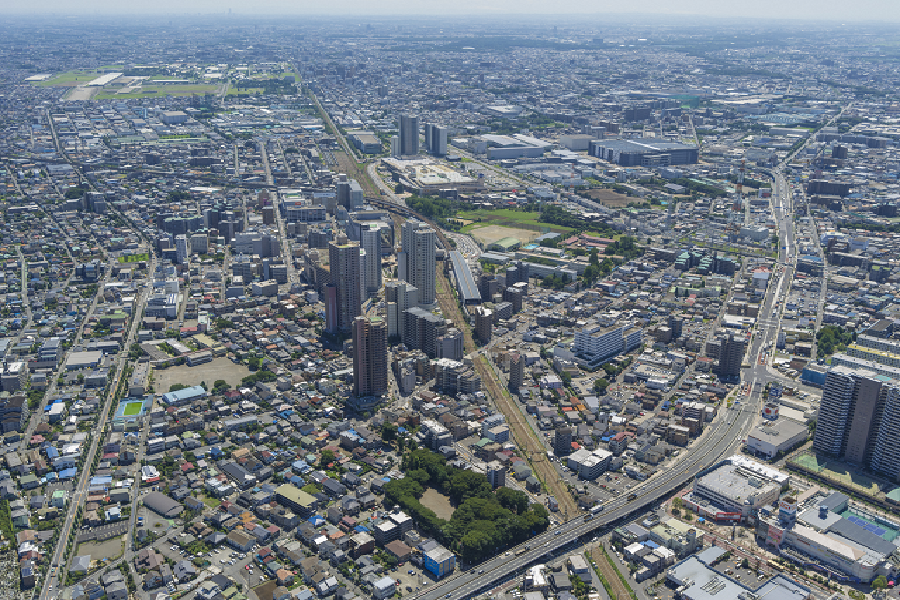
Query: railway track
[[527, 440], [709, 453]]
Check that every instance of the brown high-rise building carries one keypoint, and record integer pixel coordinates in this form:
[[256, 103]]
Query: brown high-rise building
[[731, 355], [516, 371], [484, 318], [369, 357]]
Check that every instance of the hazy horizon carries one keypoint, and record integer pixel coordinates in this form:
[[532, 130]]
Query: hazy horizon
[[813, 10]]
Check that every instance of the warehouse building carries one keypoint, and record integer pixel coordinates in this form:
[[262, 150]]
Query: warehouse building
[[645, 152]]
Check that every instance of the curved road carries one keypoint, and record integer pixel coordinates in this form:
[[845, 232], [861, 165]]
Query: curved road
[[719, 441]]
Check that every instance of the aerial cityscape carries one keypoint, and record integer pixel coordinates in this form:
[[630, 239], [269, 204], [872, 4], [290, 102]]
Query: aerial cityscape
[[444, 308]]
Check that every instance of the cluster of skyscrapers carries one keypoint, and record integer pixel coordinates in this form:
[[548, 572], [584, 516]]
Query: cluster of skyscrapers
[[407, 142], [355, 274], [859, 418]]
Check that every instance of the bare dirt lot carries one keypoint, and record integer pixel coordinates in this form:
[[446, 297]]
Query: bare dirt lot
[[81, 93], [219, 368], [491, 233], [439, 503], [611, 198], [99, 550]]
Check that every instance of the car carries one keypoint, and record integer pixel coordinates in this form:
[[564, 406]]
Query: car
[[409, 588], [247, 567], [410, 572]]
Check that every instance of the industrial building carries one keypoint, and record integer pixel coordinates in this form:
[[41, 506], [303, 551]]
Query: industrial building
[[645, 152]]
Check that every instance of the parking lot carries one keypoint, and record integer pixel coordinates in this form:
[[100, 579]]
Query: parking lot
[[410, 576]]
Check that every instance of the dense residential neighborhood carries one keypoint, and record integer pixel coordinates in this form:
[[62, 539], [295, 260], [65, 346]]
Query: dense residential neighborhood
[[568, 313]]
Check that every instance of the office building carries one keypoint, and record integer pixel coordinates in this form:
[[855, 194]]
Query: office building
[[182, 250], [369, 357], [344, 262], [370, 240], [416, 261], [409, 135]]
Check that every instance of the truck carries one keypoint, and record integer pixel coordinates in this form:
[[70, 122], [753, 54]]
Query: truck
[[596, 509], [140, 521]]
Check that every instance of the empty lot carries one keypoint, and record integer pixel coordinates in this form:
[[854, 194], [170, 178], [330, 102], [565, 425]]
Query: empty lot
[[219, 368]]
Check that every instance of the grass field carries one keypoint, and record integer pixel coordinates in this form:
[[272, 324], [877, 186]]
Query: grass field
[[133, 258], [161, 90], [611, 198], [838, 472], [243, 92], [488, 233], [510, 218], [132, 409], [70, 78]]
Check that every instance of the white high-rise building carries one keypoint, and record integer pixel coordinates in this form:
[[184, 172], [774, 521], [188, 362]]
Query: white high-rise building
[[181, 249], [416, 262], [370, 240]]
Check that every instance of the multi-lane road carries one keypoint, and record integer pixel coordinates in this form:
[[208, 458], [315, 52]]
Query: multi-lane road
[[719, 441]]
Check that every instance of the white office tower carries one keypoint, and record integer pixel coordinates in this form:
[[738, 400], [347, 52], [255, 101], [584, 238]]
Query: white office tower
[[399, 296], [181, 249], [416, 262], [409, 135], [395, 146], [370, 240]]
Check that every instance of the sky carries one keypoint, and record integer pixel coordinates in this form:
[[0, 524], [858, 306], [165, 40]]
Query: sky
[[841, 10]]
